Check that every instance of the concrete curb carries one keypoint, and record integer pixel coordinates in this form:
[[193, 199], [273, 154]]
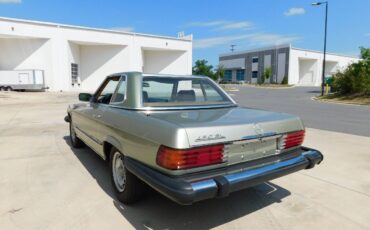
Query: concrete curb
[[267, 87], [335, 102]]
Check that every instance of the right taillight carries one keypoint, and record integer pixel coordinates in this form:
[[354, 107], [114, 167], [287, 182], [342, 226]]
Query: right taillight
[[293, 139]]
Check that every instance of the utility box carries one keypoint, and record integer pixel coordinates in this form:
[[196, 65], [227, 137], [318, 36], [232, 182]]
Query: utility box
[[329, 79], [22, 80]]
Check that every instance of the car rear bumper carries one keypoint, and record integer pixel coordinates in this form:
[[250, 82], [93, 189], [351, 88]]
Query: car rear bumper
[[185, 192]]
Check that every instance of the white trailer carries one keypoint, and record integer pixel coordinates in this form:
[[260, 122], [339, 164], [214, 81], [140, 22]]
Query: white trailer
[[22, 80]]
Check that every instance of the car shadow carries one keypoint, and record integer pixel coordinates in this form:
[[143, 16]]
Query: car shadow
[[157, 212]]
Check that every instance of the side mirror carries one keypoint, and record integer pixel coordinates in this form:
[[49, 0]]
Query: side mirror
[[84, 97]]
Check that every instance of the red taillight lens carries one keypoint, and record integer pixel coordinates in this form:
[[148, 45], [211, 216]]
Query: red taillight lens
[[290, 140], [189, 158]]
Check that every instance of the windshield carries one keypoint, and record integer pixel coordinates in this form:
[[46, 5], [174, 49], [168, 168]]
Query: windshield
[[181, 91]]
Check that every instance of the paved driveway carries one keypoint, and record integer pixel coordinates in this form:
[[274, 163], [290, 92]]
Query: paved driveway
[[350, 119], [46, 184]]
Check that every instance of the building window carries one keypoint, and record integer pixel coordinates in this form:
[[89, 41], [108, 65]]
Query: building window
[[228, 75], [254, 74], [255, 60], [74, 73], [240, 75]]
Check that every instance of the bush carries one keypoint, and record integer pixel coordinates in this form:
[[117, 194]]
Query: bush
[[284, 81], [356, 78], [267, 73]]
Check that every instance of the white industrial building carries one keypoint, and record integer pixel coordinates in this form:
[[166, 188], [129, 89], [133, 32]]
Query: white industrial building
[[301, 67], [79, 58]]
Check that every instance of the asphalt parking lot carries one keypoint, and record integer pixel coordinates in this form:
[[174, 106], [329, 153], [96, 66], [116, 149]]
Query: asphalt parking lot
[[352, 119], [45, 184]]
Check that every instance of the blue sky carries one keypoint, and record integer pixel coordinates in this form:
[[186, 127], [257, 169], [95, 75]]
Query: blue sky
[[214, 24]]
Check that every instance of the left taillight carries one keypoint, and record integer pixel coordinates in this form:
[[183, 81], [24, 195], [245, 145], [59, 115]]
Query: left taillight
[[173, 159], [292, 139]]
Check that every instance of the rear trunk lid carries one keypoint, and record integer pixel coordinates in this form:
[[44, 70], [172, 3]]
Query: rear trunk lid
[[247, 133]]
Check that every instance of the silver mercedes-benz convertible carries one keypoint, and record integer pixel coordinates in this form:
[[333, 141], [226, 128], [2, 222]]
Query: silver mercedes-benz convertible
[[185, 137]]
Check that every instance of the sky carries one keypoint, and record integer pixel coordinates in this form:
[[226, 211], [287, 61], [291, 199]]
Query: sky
[[215, 24]]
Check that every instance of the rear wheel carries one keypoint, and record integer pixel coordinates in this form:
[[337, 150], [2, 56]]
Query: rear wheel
[[75, 141], [127, 187], [2, 88], [8, 89]]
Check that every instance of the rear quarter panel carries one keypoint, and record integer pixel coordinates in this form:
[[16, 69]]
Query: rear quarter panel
[[138, 135]]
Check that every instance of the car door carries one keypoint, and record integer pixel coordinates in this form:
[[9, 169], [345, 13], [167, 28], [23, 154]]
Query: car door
[[90, 124], [106, 114]]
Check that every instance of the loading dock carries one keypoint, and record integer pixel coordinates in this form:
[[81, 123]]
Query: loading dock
[[75, 58]]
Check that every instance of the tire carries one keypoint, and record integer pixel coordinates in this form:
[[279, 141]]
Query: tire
[[75, 141], [2, 88], [8, 89], [127, 187]]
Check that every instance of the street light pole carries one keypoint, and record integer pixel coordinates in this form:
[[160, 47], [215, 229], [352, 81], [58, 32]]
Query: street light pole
[[324, 59]]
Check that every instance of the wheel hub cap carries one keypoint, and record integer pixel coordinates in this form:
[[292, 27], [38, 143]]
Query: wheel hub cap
[[118, 169]]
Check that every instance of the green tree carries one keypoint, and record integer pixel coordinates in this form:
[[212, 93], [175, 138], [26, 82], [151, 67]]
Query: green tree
[[267, 73], [220, 73], [202, 67], [355, 79]]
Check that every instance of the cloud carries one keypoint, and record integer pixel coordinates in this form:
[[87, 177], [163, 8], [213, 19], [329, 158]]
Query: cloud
[[217, 41], [122, 29], [223, 25], [236, 25], [294, 11], [367, 35], [10, 1], [206, 24], [262, 39], [255, 39]]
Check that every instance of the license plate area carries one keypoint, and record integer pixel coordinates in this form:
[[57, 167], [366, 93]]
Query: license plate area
[[247, 150]]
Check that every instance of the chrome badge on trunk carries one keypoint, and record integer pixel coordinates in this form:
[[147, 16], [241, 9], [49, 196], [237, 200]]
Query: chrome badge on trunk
[[210, 137]]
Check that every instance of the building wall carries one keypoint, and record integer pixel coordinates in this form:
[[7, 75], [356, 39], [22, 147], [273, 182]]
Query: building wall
[[74, 53], [99, 61], [302, 67], [165, 62], [264, 55], [53, 48], [308, 71], [305, 62]]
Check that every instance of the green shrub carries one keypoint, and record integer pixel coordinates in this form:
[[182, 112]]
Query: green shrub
[[356, 78], [284, 81], [267, 73]]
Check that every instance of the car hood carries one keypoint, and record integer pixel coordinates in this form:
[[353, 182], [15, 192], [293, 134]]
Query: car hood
[[229, 124]]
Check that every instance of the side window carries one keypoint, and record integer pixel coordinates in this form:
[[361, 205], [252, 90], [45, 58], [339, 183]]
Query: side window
[[105, 93], [195, 91], [157, 91], [189, 90], [212, 94], [119, 97]]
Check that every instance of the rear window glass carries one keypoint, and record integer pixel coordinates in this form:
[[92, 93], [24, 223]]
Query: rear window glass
[[171, 91]]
